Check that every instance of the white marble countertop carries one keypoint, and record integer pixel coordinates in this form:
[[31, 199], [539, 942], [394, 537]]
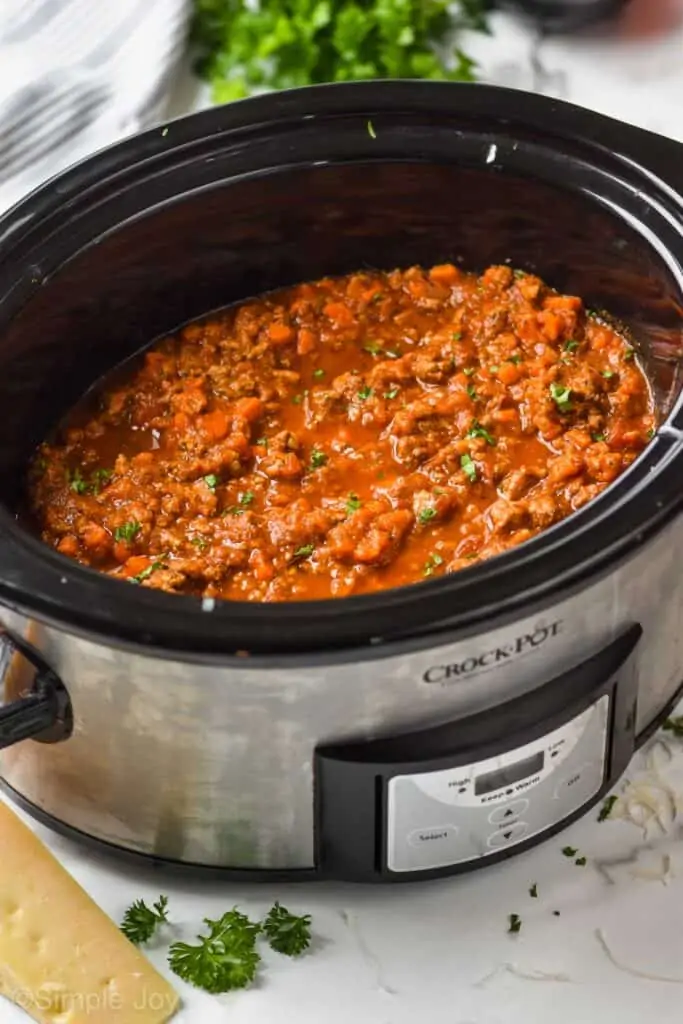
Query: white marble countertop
[[440, 951]]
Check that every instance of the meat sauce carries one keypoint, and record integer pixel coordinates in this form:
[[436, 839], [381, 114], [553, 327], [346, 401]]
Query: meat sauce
[[345, 436]]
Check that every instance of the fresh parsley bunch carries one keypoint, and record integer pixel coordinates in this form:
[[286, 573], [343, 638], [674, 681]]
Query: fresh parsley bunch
[[247, 46]]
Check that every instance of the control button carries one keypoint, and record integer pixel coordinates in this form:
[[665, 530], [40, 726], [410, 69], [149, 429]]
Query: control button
[[574, 779], [438, 836], [508, 812], [506, 836]]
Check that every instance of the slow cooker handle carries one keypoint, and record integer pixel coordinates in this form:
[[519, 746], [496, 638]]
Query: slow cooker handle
[[44, 713]]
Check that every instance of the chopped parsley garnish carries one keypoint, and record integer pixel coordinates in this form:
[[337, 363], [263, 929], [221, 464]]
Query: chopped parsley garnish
[[128, 531], [514, 923], [303, 552], [77, 482], [223, 960], [533, 891], [476, 430], [211, 481], [432, 563], [319, 373], [457, 336], [353, 503], [426, 515], [297, 399], [371, 130], [140, 921], [562, 397], [392, 393], [629, 353], [469, 467], [100, 477], [519, 273], [261, 442], [287, 933], [199, 542], [571, 345], [580, 862], [472, 392], [364, 392], [608, 373], [607, 808], [146, 573], [651, 433], [494, 369], [373, 348], [243, 504], [515, 360], [674, 726], [598, 437], [569, 851], [318, 458], [469, 371]]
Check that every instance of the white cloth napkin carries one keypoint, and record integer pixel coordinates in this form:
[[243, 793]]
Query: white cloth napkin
[[76, 75]]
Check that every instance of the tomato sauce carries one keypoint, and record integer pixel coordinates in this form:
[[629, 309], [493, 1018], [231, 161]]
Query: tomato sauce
[[345, 436]]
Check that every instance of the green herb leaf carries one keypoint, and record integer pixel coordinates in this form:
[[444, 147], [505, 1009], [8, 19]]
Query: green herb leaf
[[569, 851], [261, 442], [533, 891], [457, 336], [100, 477], [297, 399], [607, 808], [472, 391], [77, 482], [303, 552], [371, 130], [199, 542], [392, 393], [211, 481], [515, 360], [223, 960], [598, 437], [140, 921], [365, 392], [128, 531], [286, 932], [651, 433], [514, 923], [247, 499], [519, 273], [629, 354], [580, 862], [476, 430], [353, 504], [562, 397], [608, 374], [319, 373], [432, 563], [373, 348], [318, 458], [426, 515], [469, 371], [571, 345], [469, 467], [146, 573]]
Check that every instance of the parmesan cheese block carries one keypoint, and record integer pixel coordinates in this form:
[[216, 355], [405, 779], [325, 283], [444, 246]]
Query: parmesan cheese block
[[61, 958]]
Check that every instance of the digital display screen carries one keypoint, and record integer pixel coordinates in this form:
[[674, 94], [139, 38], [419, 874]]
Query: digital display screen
[[502, 777]]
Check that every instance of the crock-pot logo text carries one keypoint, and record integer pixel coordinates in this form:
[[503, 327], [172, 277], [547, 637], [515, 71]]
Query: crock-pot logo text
[[492, 658]]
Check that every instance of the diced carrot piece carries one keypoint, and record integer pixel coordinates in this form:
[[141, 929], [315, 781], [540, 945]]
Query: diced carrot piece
[[181, 421], [68, 546], [445, 273], [551, 324], [338, 312], [121, 551], [280, 334], [305, 342], [571, 303], [505, 415], [248, 409], [215, 425], [135, 565], [418, 287], [96, 538], [508, 373]]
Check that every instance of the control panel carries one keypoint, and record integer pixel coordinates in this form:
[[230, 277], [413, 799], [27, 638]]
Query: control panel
[[439, 818]]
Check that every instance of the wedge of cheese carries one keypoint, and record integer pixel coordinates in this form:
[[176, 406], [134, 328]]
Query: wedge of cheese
[[61, 958]]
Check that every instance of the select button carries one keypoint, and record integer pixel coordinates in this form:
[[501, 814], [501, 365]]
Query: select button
[[439, 836]]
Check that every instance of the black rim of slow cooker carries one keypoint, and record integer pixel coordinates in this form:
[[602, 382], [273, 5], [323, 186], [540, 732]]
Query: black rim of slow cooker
[[37, 581]]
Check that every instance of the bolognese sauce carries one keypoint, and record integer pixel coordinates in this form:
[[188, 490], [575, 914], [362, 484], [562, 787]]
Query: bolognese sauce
[[345, 436]]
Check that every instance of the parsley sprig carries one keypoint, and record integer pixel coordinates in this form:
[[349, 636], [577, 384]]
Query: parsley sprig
[[277, 44], [140, 922], [287, 933]]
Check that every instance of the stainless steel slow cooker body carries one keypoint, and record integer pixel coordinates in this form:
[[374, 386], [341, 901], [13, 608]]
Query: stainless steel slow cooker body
[[217, 737]]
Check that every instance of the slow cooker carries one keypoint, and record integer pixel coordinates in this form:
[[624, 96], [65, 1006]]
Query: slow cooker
[[411, 733]]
